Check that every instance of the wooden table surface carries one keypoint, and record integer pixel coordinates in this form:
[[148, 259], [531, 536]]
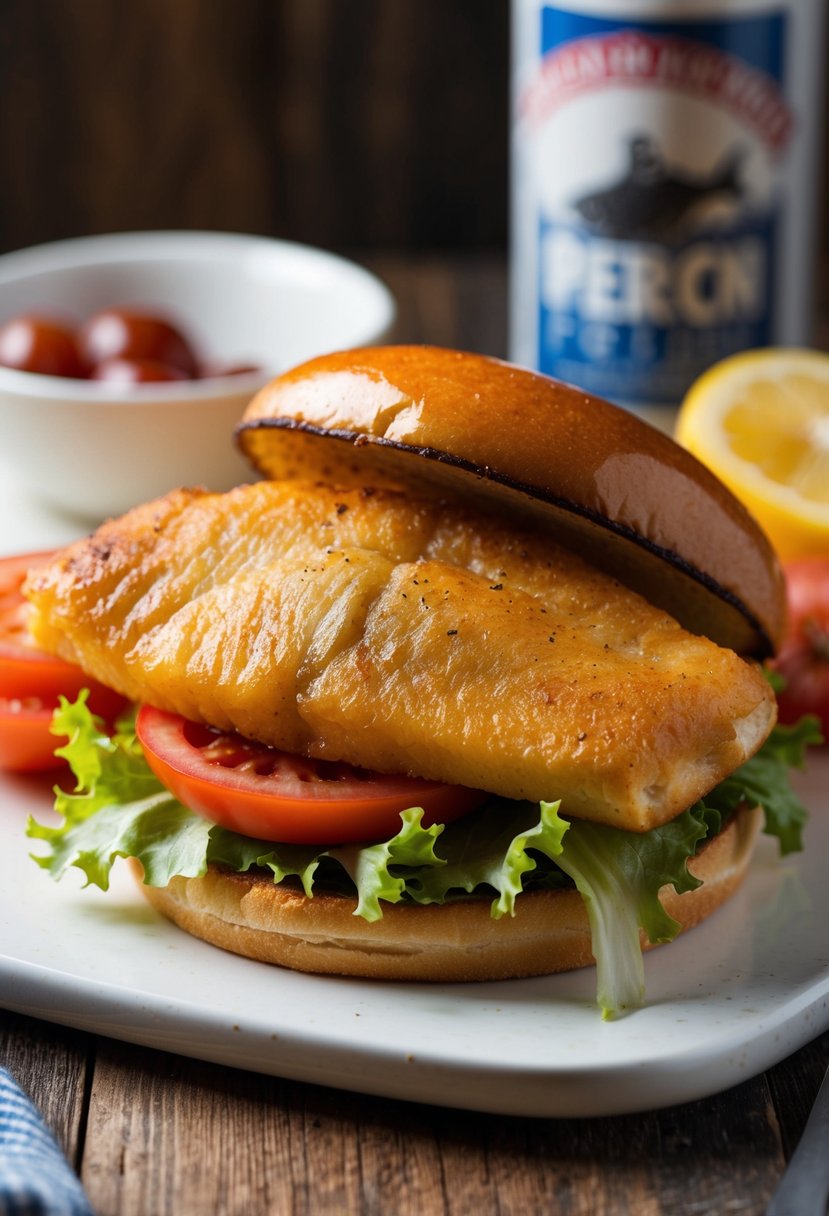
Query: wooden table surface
[[162, 1135]]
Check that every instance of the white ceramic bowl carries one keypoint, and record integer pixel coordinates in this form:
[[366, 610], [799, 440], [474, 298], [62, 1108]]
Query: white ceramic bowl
[[94, 449]]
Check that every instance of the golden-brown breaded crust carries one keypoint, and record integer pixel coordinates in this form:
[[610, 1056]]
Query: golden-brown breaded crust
[[402, 637], [625, 495], [248, 914]]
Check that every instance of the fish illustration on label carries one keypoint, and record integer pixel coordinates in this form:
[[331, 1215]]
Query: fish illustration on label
[[654, 201], [651, 168]]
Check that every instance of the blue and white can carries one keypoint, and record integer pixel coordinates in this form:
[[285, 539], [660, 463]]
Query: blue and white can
[[664, 187]]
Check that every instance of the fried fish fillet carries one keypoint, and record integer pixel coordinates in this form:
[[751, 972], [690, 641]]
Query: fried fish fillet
[[405, 637]]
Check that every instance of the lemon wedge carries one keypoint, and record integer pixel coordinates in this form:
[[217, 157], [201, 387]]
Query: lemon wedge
[[760, 421]]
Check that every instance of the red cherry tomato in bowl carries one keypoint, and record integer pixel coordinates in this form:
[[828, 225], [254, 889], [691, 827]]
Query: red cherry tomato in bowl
[[804, 656], [31, 680], [32, 343], [121, 333], [271, 795]]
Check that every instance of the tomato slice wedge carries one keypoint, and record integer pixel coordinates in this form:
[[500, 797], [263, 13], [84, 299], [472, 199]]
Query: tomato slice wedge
[[31, 680], [26, 670], [272, 795], [26, 743]]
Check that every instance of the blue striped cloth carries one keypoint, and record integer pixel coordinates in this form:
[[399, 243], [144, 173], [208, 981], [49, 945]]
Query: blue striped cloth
[[35, 1179]]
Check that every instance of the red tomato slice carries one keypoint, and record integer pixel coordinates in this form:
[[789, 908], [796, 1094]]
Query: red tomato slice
[[26, 743], [31, 681], [24, 669], [272, 795]]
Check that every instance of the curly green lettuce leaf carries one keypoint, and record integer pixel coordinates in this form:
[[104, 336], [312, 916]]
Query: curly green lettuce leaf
[[376, 871], [105, 768], [243, 853], [492, 849], [373, 870], [158, 831], [765, 781], [379, 871], [619, 875], [118, 808]]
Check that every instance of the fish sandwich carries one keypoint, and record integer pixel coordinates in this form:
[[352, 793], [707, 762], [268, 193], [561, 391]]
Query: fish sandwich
[[468, 687]]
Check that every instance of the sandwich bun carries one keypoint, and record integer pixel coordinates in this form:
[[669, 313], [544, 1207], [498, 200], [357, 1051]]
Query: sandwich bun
[[250, 915], [621, 493]]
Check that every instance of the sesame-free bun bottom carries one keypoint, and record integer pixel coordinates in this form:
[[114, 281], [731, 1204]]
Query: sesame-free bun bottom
[[250, 915]]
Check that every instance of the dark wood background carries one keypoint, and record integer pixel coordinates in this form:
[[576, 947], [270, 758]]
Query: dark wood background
[[353, 124]]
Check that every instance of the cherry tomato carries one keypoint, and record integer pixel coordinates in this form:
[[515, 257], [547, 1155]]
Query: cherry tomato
[[804, 656], [31, 681], [272, 795], [119, 333], [137, 371], [39, 344]]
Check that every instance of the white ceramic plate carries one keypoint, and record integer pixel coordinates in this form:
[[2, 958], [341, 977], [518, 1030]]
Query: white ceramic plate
[[727, 1000]]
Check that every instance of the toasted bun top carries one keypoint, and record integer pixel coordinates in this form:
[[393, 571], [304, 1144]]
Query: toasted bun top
[[620, 492]]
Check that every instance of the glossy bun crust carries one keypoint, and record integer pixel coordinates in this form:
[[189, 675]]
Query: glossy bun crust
[[250, 915], [619, 492]]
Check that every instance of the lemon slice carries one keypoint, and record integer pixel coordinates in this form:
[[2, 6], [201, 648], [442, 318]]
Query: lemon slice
[[760, 421]]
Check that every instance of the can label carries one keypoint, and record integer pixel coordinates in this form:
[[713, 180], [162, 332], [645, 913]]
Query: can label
[[657, 154]]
